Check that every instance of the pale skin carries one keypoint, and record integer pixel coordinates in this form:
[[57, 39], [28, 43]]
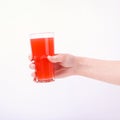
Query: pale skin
[[69, 65]]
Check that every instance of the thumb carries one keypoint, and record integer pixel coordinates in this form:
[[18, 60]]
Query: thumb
[[55, 58]]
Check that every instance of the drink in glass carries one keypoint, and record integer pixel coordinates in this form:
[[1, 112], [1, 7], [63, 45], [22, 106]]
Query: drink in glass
[[42, 45]]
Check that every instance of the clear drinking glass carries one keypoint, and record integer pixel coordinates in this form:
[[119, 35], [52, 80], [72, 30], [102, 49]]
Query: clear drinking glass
[[42, 45]]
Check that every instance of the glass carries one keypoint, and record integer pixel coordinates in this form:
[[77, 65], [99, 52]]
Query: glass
[[42, 45]]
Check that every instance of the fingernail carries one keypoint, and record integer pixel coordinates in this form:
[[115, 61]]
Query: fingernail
[[48, 56]]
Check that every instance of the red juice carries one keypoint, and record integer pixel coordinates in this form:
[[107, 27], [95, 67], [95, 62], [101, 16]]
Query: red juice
[[41, 48]]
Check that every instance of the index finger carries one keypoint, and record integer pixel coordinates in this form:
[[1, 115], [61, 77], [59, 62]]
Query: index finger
[[30, 57]]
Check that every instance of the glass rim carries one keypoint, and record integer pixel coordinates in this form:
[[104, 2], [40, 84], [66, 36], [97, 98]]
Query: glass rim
[[41, 35]]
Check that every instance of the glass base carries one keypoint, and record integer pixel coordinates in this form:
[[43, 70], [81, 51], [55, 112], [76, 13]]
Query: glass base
[[43, 80]]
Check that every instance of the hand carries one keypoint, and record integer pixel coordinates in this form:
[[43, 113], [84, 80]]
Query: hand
[[64, 65]]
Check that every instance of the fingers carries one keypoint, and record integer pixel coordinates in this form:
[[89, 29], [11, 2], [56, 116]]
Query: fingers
[[32, 66], [30, 57], [33, 75], [63, 64]]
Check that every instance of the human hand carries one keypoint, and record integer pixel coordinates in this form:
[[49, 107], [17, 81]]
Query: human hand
[[64, 65]]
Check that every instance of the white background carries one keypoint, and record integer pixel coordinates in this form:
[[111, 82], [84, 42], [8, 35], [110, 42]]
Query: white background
[[88, 28]]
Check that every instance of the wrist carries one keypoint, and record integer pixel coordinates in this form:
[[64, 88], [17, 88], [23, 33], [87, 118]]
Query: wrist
[[76, 65], [81, 66]]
